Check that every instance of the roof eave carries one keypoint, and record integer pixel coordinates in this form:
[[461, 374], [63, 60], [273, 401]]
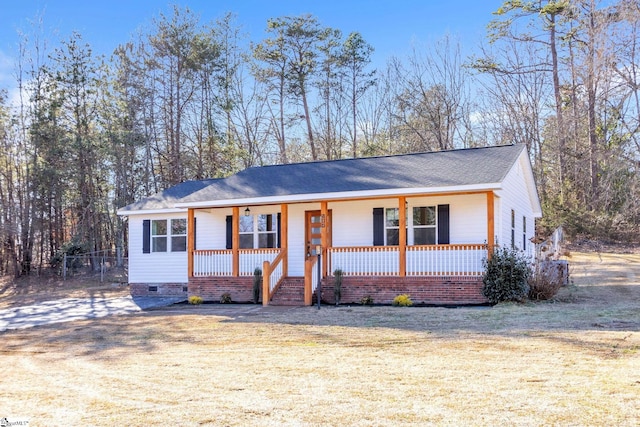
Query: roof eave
[[343, 195], [151, 211]]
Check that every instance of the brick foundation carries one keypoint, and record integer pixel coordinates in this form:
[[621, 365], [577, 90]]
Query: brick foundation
[[212, 288], [436, 290], [158, 289]]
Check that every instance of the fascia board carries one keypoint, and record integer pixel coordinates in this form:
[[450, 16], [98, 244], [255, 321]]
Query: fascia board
[[314, 197]]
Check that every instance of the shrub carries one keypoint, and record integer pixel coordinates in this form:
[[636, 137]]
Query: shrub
[[226, 298], [505, 276], [366, 300], [337, 285], [402, 301], [546, 280], [257, 284], [195, 300]]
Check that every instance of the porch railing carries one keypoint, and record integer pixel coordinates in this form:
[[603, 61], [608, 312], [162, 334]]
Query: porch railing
[[365, 260], [213, 262], [446, 260], [272, 275], [219, 262], [427, 260]]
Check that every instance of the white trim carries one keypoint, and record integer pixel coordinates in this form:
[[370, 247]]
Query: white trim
[[314, 197], [151, 211]]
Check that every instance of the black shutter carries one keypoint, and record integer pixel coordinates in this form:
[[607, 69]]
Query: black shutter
[[146, 236], [378, 226], [229, 232], [443, 224], [194, 234], [279, 245]]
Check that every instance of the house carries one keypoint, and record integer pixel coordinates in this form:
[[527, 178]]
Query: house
[[419, 224]]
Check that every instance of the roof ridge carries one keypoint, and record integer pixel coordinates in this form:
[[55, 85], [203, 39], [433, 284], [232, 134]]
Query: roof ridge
[[382, 156]]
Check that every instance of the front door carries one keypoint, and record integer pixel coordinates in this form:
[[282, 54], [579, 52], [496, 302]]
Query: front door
[[313, 231]]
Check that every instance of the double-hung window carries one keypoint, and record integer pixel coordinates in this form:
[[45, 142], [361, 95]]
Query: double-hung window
[[258, 231], [169, 235], [392, 226], [424, 225], [513, 229]]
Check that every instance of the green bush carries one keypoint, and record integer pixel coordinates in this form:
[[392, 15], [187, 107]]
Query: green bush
[[366, 300], [226, 298], [195, 300], [402, 301], [505, 276], [257, 284], [337, 285]]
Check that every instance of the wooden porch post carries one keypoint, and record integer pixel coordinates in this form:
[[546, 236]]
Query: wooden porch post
[[324, 212], [402, 241], [490, 223], [284, 237], [191, 241], [235, 241]]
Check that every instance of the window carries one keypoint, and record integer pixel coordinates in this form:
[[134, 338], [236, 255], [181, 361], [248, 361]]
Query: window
[[258, 231], [172, 239], [429, 225], [513, 229], [179, 235], [524, 233], [159, 235], [424, 225], [392, 227]]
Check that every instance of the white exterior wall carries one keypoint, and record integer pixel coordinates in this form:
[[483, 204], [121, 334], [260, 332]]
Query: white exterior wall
[[296, 242], [211, 228], [154, 267], [515, 195]]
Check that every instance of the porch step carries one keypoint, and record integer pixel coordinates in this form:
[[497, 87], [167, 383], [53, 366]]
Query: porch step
[[290, 292]]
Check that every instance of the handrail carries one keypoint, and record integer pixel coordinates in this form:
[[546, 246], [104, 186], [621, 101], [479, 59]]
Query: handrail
[[272, 275], [310, 279]]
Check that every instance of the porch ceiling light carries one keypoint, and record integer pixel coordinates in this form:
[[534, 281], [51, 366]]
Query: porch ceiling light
[[247, 211]]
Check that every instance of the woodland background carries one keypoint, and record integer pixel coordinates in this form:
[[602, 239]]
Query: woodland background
[[192, 100]]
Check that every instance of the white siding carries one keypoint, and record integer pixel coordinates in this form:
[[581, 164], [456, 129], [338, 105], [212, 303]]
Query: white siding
[[296, 243], [155, 267], [353, 221], [211, 228], [515, 195]]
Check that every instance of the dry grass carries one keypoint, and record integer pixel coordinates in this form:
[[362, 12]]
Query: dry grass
[[573, 361]]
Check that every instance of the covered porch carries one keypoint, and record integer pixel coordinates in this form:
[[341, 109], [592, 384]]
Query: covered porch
[[388, 266]]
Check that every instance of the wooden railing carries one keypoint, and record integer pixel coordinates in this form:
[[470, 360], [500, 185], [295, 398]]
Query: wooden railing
[[272, 275], [213, 262], [365, 260], [310, 278], [424, 260], [219, 262], [446, 260]]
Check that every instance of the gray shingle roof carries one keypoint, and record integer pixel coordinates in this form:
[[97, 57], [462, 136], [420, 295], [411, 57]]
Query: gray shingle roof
[[434, 169], [452, 168], [168, 198]]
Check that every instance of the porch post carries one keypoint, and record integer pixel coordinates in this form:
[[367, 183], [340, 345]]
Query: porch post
[[284, 237], [324, 234], [490, 223], [235, 241], [190, 240], [402, 240]]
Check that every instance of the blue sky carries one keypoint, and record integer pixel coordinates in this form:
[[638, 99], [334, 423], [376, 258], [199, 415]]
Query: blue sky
[[390, 26]]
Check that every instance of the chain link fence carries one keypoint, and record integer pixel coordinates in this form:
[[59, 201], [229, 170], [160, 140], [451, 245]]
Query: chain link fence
[[108, 266]]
